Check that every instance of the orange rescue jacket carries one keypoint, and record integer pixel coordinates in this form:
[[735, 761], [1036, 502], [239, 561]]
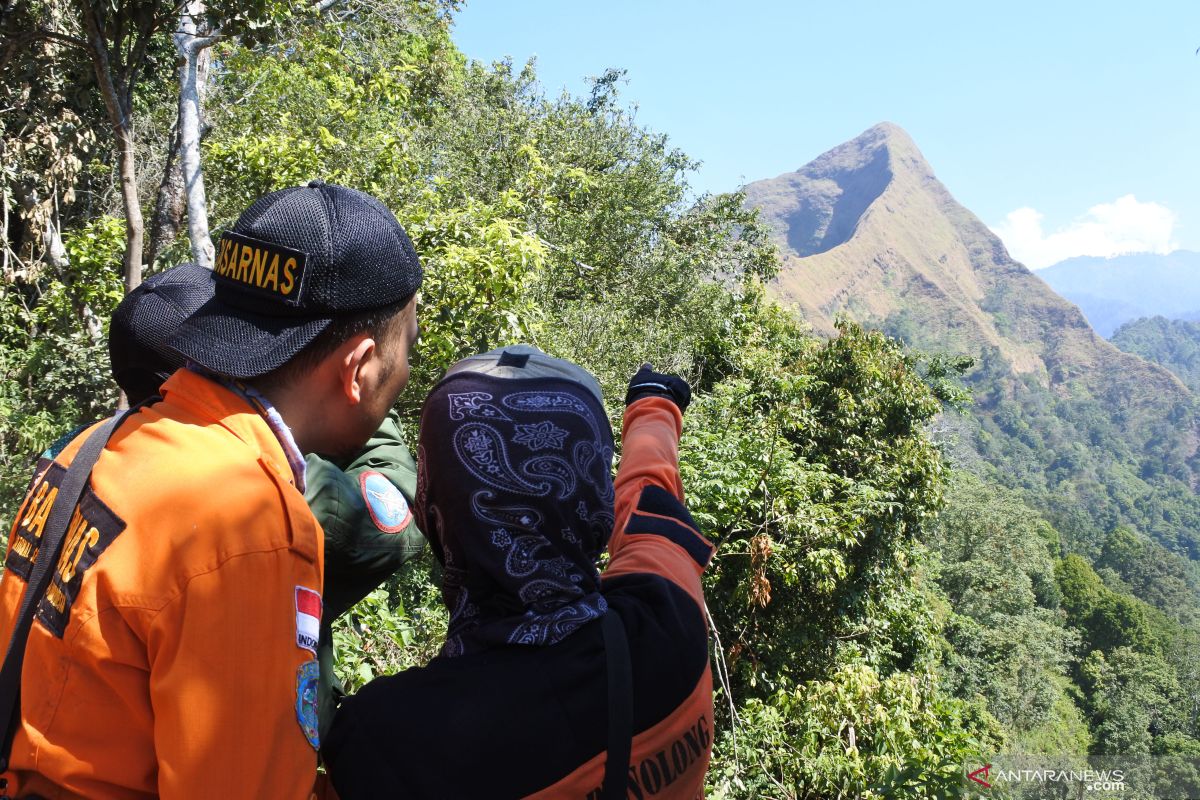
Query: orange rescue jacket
[[172, 655]]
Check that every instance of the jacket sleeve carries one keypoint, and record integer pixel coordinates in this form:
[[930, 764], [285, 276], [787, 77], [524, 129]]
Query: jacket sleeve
[[386, 452], [365, 511], [230, 684], [654, 531]]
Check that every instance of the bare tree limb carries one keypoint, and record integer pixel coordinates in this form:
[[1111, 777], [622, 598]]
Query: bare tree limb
[[193, 79], [117, 106]]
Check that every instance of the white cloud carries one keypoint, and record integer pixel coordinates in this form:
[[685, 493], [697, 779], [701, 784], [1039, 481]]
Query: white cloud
[[1109, 229]]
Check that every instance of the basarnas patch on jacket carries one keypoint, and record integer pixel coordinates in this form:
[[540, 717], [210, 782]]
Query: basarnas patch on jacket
[[308, 618], [306, 701], [387, 506], [92, 528]]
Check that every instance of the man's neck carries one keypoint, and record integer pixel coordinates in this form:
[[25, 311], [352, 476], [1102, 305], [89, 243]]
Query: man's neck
[[278, 423]]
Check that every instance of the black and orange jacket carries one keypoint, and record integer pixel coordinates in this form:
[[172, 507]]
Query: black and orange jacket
[[532, 722]]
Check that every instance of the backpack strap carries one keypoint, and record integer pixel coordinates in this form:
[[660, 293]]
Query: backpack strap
[[53, 534], [620, 707]]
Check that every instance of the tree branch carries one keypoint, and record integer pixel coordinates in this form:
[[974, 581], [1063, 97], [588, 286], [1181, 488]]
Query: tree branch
[[17, 42], [200, 43]]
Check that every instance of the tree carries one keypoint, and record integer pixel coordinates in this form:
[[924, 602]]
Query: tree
[[47, 133], [1007, 636], [193, 40], [123, 41]]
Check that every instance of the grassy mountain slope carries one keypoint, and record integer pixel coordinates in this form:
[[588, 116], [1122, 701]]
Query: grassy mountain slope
[[1101, 437]]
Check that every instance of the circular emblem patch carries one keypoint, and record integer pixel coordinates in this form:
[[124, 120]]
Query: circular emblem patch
[[307, 678], [388, 507]]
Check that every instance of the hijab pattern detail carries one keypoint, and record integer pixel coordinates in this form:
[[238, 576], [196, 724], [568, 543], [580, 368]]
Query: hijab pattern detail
[[516, 496]]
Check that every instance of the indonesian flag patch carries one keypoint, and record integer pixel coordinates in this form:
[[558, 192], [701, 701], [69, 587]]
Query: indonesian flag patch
[[308, 618]]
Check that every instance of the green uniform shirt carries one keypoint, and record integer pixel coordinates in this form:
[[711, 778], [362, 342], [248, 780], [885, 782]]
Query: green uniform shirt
[[365, 510]]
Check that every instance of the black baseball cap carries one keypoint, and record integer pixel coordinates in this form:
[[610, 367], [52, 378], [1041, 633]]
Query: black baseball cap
[[292, 263], [145, 319]]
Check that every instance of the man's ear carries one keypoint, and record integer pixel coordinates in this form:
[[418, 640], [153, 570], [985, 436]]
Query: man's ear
[[351, 356]]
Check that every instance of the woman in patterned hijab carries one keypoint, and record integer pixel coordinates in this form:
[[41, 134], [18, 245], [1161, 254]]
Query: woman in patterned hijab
[[549, 684], [515, 494]]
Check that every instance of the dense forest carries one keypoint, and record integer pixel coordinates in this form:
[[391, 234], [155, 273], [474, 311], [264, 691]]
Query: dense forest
[[885, 616], [1173, 343]]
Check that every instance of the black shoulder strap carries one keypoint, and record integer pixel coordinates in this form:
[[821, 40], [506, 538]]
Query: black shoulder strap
[[43, 568], [620, 707]]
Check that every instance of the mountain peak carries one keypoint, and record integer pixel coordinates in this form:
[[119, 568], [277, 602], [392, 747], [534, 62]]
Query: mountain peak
[[891, 133], [838, 188], [884, 134], [867, 228], [883, 144]]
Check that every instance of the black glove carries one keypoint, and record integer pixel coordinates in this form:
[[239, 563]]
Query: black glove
[[648, 383]]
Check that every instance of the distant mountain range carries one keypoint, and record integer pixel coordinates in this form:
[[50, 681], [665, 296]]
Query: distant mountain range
[[1098, 436], [1113, 291]]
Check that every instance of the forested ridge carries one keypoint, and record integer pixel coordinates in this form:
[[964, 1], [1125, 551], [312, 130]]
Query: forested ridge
[[883, 618], [1174, 343]]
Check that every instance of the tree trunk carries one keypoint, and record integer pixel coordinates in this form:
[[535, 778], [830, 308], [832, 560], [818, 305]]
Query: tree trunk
[[193, 79], [134, 224], [119, 114], [170, 204]]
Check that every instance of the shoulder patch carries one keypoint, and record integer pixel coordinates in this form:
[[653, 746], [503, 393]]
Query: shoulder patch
[[306, 701], [387, 506], [93, 526], [308, 618]]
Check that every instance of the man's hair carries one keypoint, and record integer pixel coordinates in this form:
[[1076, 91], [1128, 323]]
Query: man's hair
[[382, 323]]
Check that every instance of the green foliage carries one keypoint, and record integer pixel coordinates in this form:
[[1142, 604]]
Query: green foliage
[[1130, 697], [1120, 621], [826, 478], [1173, 343], [478, 266], [1090, 456], [1080, 586], [90, 284], [1063, 732], [50, 133], [54, 372], [1145, 569], [1108, 620], [857, 734], [1008, 642], [397, 626]]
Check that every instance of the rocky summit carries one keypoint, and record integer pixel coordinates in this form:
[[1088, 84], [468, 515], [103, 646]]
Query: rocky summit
[[868, 230]]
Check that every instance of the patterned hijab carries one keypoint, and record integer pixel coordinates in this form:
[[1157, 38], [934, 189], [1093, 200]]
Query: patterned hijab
[[515, 494]]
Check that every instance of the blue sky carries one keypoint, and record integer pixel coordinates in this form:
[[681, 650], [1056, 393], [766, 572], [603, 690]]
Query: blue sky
[[1082, 118]]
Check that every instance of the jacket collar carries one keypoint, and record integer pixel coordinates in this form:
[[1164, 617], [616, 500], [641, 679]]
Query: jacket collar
[[208, 399]]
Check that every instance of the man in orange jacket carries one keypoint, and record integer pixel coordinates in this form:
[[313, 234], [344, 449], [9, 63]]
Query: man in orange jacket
[[173, 654], [363, 504]]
